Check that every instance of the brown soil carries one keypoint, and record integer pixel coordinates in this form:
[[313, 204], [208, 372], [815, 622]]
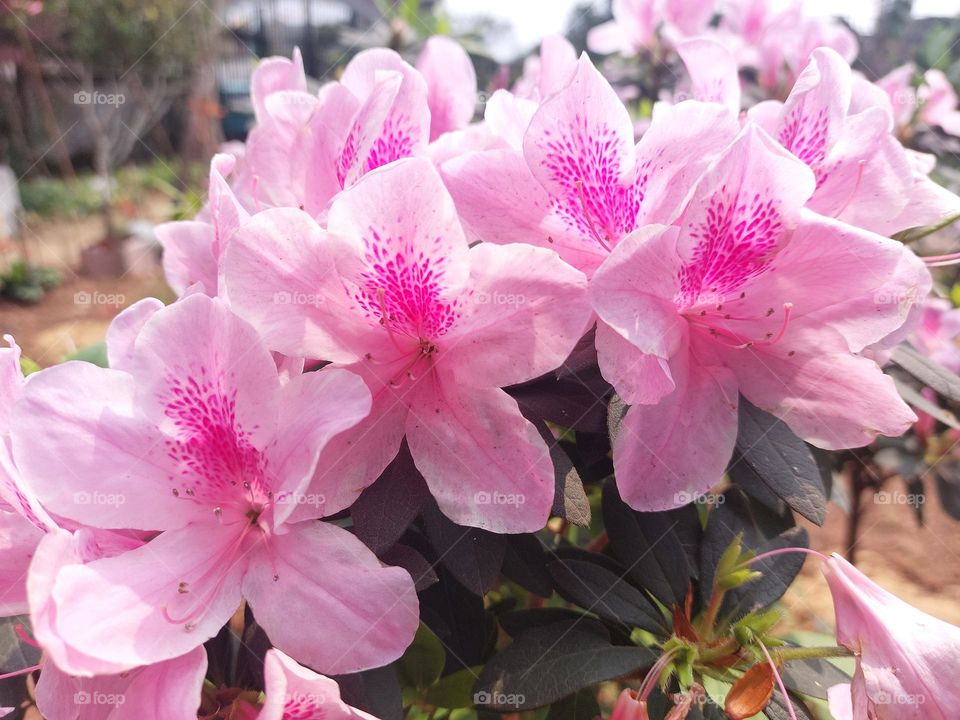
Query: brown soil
[[920, 564]]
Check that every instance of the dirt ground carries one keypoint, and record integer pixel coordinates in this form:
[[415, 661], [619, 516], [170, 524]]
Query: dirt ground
[[919, 564]]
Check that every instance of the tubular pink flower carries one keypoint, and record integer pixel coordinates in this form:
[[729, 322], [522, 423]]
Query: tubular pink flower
[[904, 656]]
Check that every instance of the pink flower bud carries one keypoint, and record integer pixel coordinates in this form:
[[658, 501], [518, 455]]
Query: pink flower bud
[[630, 707]]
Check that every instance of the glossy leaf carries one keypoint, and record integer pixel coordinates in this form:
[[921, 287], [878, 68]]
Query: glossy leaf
[[547, 663]]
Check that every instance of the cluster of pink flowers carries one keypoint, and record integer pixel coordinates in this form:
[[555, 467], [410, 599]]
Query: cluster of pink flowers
[[373, 269], [774, 39]]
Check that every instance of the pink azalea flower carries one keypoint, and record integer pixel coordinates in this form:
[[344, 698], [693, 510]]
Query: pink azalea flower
[[58, 549], [192, 248], [451, 84], [635, 24], [940, 102], [713, 72], [192, 434], [938, 333], [393, 292], [18, 542], [293, 691], [377, 113], [840, 700], [900, 91], [903, 654], [749, 293], [23, 521], [169, 690], [579, 184], [632, 29], [15, 495], [864, 176], [547, 72]]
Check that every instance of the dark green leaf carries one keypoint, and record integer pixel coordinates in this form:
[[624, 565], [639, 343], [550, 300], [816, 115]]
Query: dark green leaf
[[932, 374], [777, 709], [582, 705], [516, 622], [548, 663], [472, 555], [604, 593], [813, 677], [770, 458], [525, 562], [413, 562], [649, 546], [385, 509], [375, 691]]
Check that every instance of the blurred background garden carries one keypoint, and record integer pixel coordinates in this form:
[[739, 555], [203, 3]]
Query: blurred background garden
[[110, 111]]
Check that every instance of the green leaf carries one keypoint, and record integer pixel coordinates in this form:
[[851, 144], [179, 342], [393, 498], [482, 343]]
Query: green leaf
[[548, 663], [454, 690], [28, 366], [94, 354], [930, 373], [422, 663], [581, 705]]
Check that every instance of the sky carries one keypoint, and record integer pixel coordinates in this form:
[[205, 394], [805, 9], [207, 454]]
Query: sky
[[532, 19]]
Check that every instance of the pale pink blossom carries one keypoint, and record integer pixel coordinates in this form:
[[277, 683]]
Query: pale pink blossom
[[168, 690], [748, 293], [905, 658], [636, 24], [713, 72], [293, 691], [23, 520], [392, 291], [863, 175], [192, 248], [898, 86], [937, 333], [451, 84], [548, 71], [579, 183], [939, 102], [192, 434]]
